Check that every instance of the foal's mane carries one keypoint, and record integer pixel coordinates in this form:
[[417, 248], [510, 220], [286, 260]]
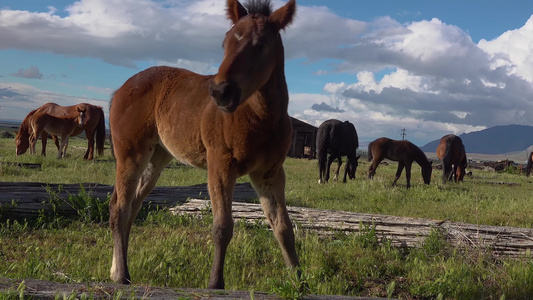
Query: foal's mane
[[420, 157], [259, 7]]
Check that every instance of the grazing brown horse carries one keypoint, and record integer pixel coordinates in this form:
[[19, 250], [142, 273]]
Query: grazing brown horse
[[64, 121], [451, 152], [22, 138], [232, 123], [404, 152], [337, 138]]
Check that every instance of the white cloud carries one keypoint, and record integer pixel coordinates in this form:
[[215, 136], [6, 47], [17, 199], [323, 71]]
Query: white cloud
[[119, 32], [513, 50], [441, 82]]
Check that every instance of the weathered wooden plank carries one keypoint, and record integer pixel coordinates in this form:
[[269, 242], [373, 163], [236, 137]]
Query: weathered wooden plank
[[30, 197], [41, 289], [401, 231]]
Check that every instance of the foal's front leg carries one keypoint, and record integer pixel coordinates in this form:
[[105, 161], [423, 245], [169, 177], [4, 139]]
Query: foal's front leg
[[63, 143], [399, 173], [32, 140], [44, 141], [221, 182], [408, 173]]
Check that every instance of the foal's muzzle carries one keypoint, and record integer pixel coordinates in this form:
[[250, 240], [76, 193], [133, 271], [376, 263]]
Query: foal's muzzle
[[226, 95]]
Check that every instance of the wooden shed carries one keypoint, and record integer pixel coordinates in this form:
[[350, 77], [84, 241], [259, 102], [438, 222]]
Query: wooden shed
[[303, 140]]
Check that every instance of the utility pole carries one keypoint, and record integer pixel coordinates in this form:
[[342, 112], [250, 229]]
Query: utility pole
[[403, 133]]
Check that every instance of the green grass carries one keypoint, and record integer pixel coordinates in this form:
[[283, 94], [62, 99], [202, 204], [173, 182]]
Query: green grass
[[176, 251]]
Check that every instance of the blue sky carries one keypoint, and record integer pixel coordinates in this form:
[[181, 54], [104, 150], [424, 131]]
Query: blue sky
[[431, 67]]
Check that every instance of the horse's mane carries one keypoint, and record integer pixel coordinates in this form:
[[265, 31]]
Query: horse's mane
[[25, 125], [420, 157], [260, 7]]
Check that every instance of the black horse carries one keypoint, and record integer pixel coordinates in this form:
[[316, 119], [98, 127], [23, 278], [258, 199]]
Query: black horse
[[338, 139]]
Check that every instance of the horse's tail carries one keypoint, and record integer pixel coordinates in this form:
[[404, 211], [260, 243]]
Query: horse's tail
[[447, 158], [110, 133], [529, 163], [464, 162], [322, 148], [370, 158], [100, 133]]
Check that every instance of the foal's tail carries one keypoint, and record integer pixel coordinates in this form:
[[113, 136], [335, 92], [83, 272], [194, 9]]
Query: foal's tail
[[100, 133], [529, 163]]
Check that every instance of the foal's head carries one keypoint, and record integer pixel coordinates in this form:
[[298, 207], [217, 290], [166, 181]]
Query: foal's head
[[426, 172], [252, 50], [22, 139], [22, 143]]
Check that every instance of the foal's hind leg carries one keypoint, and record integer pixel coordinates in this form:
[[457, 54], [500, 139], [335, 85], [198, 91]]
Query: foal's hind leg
[[44, 141], [63, 144], [90, 144], [373, 166], [271, 190], [136, 178]]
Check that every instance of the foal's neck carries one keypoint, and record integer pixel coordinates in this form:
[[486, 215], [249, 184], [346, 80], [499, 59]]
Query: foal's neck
[[273, 97]]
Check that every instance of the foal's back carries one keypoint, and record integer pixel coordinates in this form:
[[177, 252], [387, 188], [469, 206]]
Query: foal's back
[[54, 125], [163, 105]]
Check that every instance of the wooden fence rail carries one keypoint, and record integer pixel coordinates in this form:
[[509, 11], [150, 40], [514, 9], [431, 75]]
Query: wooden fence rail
[[401, 231]]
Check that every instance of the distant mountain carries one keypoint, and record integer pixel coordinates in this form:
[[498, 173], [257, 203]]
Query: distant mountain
[[494, 140]]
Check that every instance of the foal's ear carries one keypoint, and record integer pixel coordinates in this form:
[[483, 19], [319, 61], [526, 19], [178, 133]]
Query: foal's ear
[[235, 11], [284, 15]]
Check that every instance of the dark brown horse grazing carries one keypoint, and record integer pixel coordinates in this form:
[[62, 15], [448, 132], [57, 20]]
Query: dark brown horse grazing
[[232, 123], [451, 152], [338, 139], [404, 152], [66, 121]]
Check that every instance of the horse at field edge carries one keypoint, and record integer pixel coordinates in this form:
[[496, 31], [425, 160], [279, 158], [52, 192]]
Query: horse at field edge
[[232, 123], [65, 121], [529, 163], [451, 152], [338, 139], [404, 152]]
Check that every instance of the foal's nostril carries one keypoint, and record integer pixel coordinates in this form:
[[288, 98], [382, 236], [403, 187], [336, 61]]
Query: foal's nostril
[[219, 91]]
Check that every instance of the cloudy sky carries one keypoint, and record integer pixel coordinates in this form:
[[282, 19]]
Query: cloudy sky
[[429, 67]]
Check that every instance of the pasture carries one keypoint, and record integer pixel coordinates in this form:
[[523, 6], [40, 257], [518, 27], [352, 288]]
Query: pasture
[[176, 251]]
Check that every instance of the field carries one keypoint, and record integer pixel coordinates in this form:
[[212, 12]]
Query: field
[[176, 251]]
